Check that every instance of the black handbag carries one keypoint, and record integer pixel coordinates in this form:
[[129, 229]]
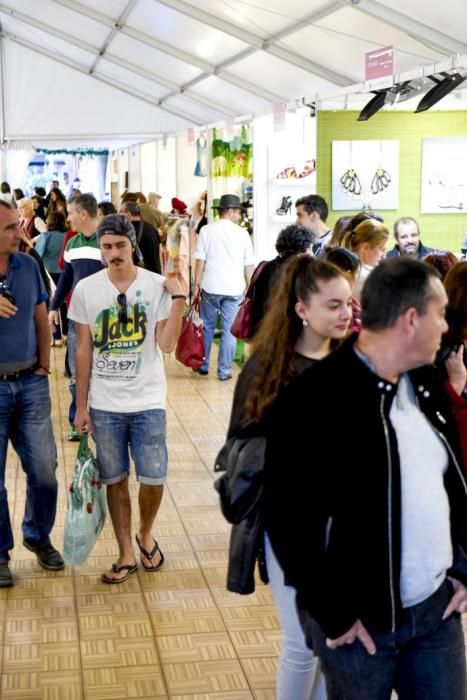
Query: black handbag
[[241, 486]]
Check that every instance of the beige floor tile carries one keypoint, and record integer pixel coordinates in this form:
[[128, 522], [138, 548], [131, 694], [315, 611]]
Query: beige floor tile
[[171, 635]]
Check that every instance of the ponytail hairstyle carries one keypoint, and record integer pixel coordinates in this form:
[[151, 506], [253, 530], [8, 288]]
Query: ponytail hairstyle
[[274, 343], [368, 231]]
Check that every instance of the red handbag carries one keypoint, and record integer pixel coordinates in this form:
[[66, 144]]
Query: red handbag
[[242, 325], [190, 345]]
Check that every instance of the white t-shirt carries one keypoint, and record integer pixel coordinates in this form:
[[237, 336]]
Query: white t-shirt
[[425, 512], [127, 367], [226, 249]]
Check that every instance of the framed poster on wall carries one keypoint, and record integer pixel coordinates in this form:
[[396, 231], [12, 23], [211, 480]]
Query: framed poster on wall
[[365, 175], [444, 175]]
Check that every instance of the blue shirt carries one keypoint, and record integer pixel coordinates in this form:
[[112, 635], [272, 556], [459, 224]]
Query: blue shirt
[[18, 338]]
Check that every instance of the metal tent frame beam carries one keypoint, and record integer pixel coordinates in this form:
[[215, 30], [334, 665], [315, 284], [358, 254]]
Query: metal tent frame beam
[[413, 28], [113, 32], [116, 60], [257, 43], [207, 68], [154, 102]]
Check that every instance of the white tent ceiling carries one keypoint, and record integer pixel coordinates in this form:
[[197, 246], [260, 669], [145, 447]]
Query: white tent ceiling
[[110, 71]]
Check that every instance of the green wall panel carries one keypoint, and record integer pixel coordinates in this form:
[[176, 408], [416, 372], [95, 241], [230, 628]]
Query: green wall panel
[[437, 230]]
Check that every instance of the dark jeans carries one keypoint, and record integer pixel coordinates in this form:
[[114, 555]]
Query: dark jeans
[[63, 326], [423, 660], [25, 420]]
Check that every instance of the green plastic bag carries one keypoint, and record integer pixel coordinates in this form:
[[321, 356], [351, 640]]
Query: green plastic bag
[[86, 508]]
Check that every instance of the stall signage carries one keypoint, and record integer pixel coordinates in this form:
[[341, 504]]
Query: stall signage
[[379, 68], [279, 116]]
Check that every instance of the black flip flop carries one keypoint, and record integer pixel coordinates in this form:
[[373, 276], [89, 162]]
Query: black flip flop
[[129, 568], [150, 555]]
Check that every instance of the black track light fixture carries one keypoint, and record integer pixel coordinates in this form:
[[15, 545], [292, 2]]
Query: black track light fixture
[[446, 83], [373, 106]]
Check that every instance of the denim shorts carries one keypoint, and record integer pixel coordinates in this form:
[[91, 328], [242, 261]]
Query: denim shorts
[[144, 433]]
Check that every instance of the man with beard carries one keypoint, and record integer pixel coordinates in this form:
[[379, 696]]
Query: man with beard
[[407, 235]]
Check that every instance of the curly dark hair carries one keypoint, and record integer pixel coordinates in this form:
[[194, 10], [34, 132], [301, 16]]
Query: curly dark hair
[[294, 239]]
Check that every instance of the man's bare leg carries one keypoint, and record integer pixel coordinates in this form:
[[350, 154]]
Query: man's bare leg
[[118, 500], [149, 500]]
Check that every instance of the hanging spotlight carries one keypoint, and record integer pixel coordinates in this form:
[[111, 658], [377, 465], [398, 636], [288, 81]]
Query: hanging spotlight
[[373, 106], [443, 86]]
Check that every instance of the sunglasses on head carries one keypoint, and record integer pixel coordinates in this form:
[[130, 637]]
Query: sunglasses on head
[[122, 312], [5, 292]]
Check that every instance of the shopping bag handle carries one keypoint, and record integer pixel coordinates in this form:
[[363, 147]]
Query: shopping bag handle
[[83, 446]]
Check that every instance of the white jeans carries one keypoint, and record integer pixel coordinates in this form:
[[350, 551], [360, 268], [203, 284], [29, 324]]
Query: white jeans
[[298, 674]]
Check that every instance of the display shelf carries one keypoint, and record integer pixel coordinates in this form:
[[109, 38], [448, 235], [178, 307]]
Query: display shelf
[[308, 181]]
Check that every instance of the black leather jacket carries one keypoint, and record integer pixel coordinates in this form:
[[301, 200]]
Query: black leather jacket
[[333, 490]]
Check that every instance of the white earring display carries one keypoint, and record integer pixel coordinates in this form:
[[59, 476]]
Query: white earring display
[[305, 322]]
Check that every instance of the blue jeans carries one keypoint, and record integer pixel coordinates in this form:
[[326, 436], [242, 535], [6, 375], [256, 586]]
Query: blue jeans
[[25, 420], [211, 306], [298, 673], [72, 344], [423, 660], [144, 432]]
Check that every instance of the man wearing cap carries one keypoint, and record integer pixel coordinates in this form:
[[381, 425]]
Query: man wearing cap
[[224, 262], [25, 398], [125, 316]]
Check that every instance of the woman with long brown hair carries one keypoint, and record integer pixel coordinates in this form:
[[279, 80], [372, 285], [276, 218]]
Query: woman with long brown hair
[[308, 316]]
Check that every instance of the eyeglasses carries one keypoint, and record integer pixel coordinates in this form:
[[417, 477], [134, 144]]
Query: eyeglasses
[[5, 291], [122, 312]]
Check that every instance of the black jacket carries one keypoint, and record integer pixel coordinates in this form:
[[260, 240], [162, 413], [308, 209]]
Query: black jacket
[[247, 537], [422, 251], [332, 490], [149, 243]]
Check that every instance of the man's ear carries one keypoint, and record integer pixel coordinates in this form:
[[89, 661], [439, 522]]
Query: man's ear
[[409, 321]]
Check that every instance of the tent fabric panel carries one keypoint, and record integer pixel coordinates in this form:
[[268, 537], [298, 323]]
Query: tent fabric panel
[[127, 78], [204, 114], [136, 51], [242, 101], [111, 8], [449, 18], [35, 37], [86, 106], [61, 18], [263, 21], [188, 34], [276, 75], [329, 41]]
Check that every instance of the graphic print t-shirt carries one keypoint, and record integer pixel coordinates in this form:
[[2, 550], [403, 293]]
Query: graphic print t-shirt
[[127, 366]]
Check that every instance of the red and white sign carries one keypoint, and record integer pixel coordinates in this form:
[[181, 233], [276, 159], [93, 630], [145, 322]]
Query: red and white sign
[[279, 117], [379, 68]]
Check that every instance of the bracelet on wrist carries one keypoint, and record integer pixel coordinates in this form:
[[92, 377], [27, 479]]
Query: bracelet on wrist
[[46, 369], [179, 296]]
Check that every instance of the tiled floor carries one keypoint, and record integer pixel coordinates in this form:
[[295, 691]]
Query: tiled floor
[[173, 634]]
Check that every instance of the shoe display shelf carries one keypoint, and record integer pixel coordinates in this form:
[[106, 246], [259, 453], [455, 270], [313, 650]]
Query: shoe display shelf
[[282, 189]]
